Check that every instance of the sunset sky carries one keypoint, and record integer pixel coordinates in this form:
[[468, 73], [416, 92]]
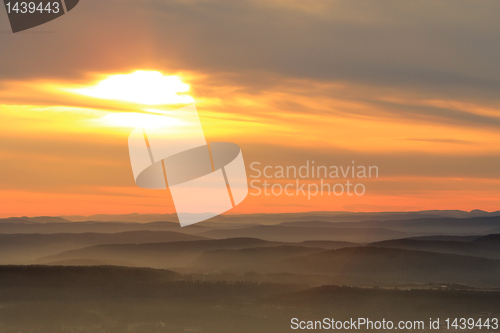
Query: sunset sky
[[409, 86]]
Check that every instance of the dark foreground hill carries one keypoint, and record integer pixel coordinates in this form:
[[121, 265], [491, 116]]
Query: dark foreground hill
[[51, 299], [343, 303], [118, 299]]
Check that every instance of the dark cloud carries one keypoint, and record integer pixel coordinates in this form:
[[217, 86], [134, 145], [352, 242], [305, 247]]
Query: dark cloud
[[441, 115], [442, 48]]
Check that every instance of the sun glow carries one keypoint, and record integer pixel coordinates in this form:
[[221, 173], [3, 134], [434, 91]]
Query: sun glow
[[142, 120], [141, 87]]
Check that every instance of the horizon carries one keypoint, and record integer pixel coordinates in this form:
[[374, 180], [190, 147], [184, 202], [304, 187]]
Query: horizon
[[81, 218]]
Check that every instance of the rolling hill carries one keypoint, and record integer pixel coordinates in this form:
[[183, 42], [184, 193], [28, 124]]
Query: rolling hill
[[156, 255], [300, 234], [22, 226], [419, 226], [383, 266], [21, 248], [248, 259], [485, 246]]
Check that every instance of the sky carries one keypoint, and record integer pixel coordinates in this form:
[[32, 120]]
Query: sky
[[408, 86]]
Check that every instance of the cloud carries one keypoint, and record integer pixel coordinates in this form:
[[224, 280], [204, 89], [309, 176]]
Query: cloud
[[413, 50], [449, 46]]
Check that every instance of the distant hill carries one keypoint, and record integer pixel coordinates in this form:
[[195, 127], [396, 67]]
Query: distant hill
[[157, 255], [249, 259], [21, 226], [452, 247], [419, 226], [485, 246], [328, 245], [21, 248], [495, 230], [13, 220], [89, 262], [134, 218], [490, 242], [447, 238], [38, 219], [382, 225], [383, 266], [47, 219], [300, 234], [340, 216]]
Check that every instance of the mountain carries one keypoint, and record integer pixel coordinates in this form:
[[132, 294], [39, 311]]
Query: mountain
[[485, 246], [328, 245], [339, 216], [300, 234], [383, 266], [21, 226], [453, 247], [21, 248], [447, 238], [133, 218], [495, 230], [449, 226], [408, 224], [420, 226], [156, 255], [38, 219], [490, 242], [249, 259]]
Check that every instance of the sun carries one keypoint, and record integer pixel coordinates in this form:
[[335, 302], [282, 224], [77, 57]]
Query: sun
[[141, 120], [141, 87]]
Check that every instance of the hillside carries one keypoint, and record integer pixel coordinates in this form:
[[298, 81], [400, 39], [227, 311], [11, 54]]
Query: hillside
[[249, 259], [157, 255], [486, 246], [300, 234], [416, 226], [383, 266], [22, 226], [22, 248]]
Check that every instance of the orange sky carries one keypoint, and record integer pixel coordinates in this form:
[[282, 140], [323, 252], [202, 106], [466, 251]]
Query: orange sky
[[71, 157], [63, 142]]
